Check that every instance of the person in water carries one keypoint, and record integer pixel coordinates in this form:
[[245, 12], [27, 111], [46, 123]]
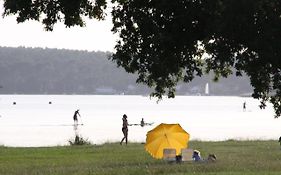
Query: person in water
[[75, 117], [142, 122], [125, 129], [244, 106]]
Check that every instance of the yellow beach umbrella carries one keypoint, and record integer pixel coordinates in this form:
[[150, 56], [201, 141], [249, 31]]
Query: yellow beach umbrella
[[166, 136]]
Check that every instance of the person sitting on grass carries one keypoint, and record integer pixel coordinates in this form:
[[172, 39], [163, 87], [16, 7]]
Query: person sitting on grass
[[196, 156], [212, 158]]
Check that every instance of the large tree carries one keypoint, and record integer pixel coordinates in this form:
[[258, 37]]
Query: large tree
[[166, 41]]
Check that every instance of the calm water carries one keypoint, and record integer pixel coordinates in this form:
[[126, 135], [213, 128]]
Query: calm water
[[32, 121]]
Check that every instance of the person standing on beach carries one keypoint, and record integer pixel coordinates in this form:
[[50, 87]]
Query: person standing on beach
[[125, 129], [75, 117]]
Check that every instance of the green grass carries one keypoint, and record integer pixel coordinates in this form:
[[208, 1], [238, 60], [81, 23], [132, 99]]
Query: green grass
[[234, 158]]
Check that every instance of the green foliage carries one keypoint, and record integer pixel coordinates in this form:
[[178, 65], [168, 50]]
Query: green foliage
[[51, 12], [159, 41], [164, 42]]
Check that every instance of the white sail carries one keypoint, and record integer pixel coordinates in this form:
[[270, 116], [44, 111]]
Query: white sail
[[207, 89]]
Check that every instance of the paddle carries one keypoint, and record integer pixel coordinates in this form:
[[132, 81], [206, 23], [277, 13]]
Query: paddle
[[81, 120]]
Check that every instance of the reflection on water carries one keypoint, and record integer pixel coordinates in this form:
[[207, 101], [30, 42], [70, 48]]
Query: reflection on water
[[35, 122], [76, 132]]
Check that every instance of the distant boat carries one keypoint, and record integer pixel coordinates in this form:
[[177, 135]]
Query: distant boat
[[207, 89]]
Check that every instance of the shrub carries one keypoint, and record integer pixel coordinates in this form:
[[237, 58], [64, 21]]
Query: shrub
[[79, 140]]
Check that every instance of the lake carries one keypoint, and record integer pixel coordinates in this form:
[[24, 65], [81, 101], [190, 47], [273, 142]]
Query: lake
[[47, 120]]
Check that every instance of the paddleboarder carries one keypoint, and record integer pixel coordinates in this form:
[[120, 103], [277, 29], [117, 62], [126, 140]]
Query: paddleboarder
[[75, 117]]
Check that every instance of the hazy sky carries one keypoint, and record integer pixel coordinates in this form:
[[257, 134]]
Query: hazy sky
[[96, 36]]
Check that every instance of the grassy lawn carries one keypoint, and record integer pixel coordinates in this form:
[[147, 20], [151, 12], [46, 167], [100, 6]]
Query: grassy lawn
[[234, 158]]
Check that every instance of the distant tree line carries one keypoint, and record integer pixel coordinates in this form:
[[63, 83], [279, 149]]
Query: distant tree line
[[53, 71]]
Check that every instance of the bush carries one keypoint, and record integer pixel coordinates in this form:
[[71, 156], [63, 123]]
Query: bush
[[79, 140]]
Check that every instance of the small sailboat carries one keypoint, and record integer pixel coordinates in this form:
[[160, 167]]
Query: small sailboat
[[207, 89]]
